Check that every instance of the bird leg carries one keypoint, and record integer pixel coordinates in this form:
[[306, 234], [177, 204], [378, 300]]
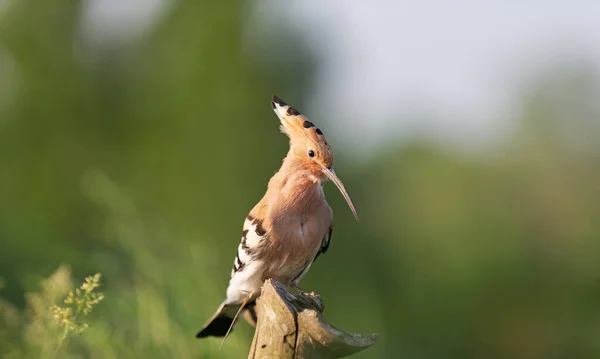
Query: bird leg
[[294, 285]]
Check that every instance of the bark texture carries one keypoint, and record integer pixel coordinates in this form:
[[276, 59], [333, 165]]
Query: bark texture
[[291, 326]]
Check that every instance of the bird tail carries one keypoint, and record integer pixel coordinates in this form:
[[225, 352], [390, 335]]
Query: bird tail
[[222, 320], [219, 323]]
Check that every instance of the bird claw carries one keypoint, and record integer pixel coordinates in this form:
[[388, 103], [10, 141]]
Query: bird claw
[[303, 293]]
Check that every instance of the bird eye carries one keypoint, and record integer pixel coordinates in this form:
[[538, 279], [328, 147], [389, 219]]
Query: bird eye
[[311, 153]]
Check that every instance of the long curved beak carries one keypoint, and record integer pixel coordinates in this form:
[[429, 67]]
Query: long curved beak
[[338, 183]]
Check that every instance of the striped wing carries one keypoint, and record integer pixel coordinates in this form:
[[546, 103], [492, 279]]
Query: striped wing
[[247, 271], [253, 236]]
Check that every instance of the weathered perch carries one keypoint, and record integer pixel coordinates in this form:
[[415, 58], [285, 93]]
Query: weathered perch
[[291, 326]]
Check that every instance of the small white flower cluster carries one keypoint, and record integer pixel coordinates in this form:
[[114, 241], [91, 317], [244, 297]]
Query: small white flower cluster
[[78, 305]]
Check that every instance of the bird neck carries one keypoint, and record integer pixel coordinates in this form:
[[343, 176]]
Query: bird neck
[[295, 187]]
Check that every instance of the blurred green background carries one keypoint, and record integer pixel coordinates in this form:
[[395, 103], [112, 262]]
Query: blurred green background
[[140, 158]]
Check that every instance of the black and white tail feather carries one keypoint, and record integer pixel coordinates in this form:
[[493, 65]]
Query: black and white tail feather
[[246, 281]]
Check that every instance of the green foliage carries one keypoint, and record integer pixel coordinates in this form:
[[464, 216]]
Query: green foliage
[[140, 160], [44, 327], [77, 306]]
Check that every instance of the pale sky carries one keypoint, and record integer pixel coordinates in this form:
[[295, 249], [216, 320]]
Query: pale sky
[[448, 69], [451, 70]]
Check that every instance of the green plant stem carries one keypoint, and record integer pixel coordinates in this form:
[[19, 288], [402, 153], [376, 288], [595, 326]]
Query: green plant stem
[[64, 336]]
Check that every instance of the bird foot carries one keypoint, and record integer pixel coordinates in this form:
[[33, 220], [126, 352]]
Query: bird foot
[[303, 293]]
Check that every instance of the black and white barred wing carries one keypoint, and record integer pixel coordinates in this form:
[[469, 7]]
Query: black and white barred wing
[[248, 269]]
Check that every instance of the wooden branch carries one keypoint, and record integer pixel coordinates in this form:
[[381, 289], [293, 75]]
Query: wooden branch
[[291, 326]]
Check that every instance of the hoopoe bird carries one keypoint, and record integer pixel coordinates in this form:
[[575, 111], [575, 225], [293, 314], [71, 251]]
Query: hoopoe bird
[[288, 228]]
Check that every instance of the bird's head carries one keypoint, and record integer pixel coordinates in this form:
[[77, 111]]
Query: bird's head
[[309, 146]]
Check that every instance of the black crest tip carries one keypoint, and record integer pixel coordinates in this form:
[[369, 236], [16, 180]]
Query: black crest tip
[[277, 100]]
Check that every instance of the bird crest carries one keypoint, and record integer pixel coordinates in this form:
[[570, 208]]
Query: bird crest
[[309, 145], [303, 134]]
